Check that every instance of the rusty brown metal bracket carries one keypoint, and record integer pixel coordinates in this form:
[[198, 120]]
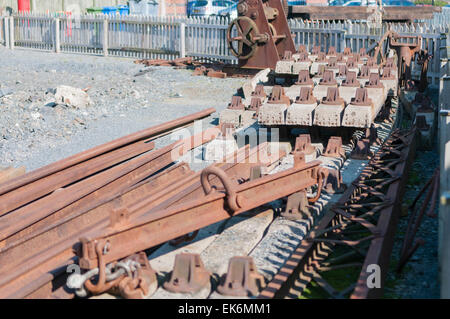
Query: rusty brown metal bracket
[[189, 275], [321, 57], [278, 97], [259, 91], [364, 72], [236, 103], [303, 78], [328, 78], [362, 98], [306, 96], [342, 71], [362, 150], [333, 97], [350, 80], [255, 105], [332, 63], [302, 49], [201, 70], [316, 50], [142, 283], [334, 147], [296, 206], [262, 34], [242, 278], [303, 144], [215, 74]]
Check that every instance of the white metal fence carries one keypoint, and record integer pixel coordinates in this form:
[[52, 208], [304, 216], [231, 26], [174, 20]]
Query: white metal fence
[[205, 38], [441, 19], [362, 35]]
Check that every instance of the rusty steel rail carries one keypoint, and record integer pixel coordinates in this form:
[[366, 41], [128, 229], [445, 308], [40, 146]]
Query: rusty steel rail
[[8, 173], [74, 211], [152, 132], [26, 270], [357, 232], [30, 192]]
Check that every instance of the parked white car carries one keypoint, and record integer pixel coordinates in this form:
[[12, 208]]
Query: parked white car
[[353, 3], [209, 7]]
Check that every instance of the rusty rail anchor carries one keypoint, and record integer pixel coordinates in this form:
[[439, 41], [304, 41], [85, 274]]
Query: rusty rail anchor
[[357, 232]]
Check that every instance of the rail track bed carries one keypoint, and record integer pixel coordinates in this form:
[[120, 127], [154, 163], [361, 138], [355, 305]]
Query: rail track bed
[[261, 233]]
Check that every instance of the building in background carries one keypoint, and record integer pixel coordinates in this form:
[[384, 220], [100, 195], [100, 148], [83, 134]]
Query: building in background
[[52, 6], [147, 7], [159, 7], [176, 7]]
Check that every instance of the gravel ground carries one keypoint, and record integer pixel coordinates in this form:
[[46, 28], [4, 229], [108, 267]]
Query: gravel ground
[[35, 132]]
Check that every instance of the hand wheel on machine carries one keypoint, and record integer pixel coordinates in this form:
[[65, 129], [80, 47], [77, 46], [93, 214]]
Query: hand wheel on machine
[[248, 37]]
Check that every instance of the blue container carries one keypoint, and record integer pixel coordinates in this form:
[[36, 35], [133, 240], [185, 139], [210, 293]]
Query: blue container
[[123, 10], [109, 10]]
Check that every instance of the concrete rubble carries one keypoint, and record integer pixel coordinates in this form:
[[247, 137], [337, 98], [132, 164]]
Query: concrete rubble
[[73, 97]]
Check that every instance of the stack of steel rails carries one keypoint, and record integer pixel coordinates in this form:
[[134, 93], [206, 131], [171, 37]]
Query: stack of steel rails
[[40, 210]]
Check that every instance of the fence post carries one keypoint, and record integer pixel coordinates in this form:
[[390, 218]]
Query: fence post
[[182, 40], [2, 29], [105, 37], [6, 31], [57, 36], [342, 40], [11, 33], [444, 150]]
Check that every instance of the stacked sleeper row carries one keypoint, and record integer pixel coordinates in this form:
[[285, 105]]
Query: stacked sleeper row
[[345, 90]]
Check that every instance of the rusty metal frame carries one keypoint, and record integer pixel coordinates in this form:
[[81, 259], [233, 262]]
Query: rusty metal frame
[[409, 246], [263, 34]]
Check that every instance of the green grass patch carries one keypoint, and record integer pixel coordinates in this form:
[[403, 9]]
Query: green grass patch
[[414, 178], [339, 279]]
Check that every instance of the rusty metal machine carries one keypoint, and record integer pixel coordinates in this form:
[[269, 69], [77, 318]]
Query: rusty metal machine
[[260, 34], [407, 49]]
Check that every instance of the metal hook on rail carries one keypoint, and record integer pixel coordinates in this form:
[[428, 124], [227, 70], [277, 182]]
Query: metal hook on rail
[[101, 285], [322, 174], [231, 196]]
